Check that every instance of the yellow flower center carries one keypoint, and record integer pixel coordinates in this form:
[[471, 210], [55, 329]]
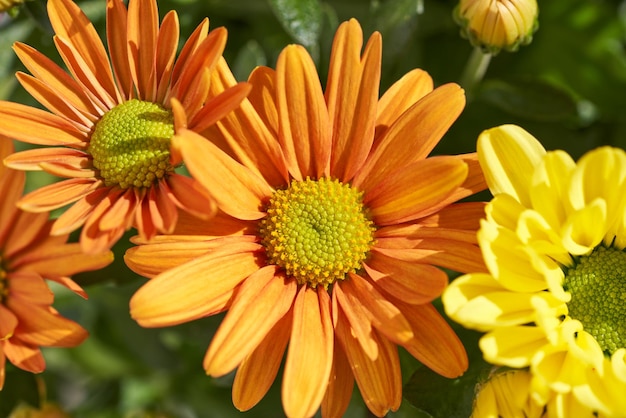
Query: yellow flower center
[[597, 283], [317, 230], [131, 144]]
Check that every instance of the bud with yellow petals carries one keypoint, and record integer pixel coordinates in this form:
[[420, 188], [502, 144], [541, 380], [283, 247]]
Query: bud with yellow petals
[[493, 25]]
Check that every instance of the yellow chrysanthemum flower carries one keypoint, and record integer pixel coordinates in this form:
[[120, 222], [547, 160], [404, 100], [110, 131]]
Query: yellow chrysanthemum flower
[[553, 242]]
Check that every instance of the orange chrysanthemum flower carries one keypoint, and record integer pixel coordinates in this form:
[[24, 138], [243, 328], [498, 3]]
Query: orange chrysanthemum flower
[[28, 256], [333, 219], [112, 121]]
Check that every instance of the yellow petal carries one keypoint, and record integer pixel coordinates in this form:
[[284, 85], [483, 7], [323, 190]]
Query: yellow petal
[[508, 155], [513, 346]]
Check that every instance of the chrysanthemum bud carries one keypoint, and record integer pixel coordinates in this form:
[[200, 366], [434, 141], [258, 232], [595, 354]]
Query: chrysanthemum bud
[[6, 5], [494, 25]]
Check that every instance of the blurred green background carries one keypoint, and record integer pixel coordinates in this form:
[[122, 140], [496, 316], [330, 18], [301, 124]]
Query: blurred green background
[[568, 88]]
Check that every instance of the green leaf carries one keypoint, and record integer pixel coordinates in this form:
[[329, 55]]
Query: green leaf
[[20, 387], [302, 19], [531, 99], [393, 13], [439, 397]]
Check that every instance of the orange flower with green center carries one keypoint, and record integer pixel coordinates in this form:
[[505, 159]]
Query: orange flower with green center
[[28, 256], [332, 222], [111, 121]]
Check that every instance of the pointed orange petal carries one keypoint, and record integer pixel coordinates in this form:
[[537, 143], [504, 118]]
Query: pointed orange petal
[[435, 343], [403, 94], [208, 285], [167, 44], [143, 26], [258, 371], [40, 326], [217, 107], [218, 226], [464, 216], [340, 386], [385, 317], [26, 230], [24, 356], [32, 158], [352, 96], [189, 195], [68, 171], [8, 322], [62, 260], [360, 324], [118, 211], [191, 45], [263, 96], [83, 74], [29, 288], [413, 135], [70, 284], [11, 187], [54, 102], [238, 191], [162, 210], [116, 18], [58, 80], [310, 354], [474, 182], [93, 238], [263, 295], [410, 282], [379, 380], [37, 126], [304, 127], [70, 23], [56, 195], [78, 213], [413, 191]]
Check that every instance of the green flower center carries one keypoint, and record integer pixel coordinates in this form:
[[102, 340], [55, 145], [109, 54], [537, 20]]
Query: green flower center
[[131, 144], [597, 283], [317, 230]]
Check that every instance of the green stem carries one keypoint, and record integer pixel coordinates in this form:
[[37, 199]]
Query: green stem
[[474, 71]]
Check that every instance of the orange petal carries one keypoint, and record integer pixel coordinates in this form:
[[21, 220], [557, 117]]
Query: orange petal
[[78, 213], [413, 135], [70, 23], [118, 211], [263, 96], [263, 295], [61, 260], [466, 216], [379, 380], [155, 258], [167, 44], [58, 80], [403, 94], [30, 288], [116, 30], [32, 158], [450, 254], [435, 343], [218, 226], [56, 195], [68, 171], [190, 196], [24, 356], [11, 187], [208, 286], [27, 230], [238, 191], [410, 282], [217, 107], [360, 324], [8, 322], [474, 182], [2, 368], [191, 45], [385, 317], [413, 191], [41, 326], [143, 27], [54, 102], [162, 210], [352, 96], [304, 127], [258, 371], [340, 385], [37, 126], [310, 355], [70, 284]]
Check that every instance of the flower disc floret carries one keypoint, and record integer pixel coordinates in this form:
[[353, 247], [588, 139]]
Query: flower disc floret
[[317, 230], [130, 145], [597, 283]]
